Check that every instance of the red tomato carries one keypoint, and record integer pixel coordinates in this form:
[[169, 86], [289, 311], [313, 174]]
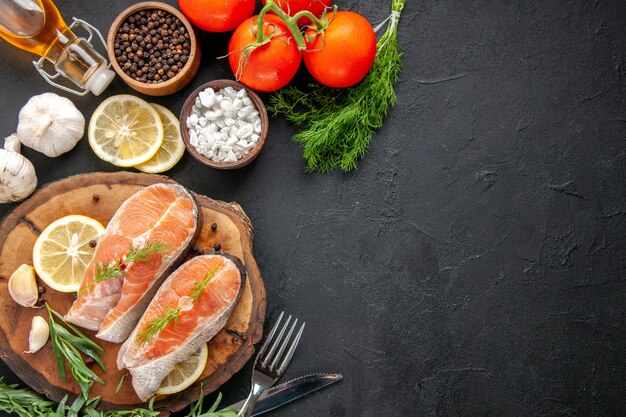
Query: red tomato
[[345, 53], [270, 66], [292, 7], [217, 15]]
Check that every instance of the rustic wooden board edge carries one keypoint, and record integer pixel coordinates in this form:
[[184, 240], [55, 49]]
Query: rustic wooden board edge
[[19, 214]]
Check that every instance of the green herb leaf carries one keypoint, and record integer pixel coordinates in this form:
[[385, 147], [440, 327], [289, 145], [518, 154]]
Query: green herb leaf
[[76, 406], [196, 409], [24, 402], [68, 347], [61, 406], [120, 384], [80, 334], [58, 354]]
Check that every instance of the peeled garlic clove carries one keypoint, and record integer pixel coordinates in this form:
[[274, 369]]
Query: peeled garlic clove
[[38, 336], [23, 286]]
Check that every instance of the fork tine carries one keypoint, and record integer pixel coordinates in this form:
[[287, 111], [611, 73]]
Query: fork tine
[[276, 342], [269, 337], [291, 350], [283, 345]]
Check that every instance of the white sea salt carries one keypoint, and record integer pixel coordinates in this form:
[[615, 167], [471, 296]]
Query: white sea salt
[[224, 125]]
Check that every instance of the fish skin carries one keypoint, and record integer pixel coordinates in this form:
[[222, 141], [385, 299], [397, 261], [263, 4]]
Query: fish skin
[[104, 295], [147, 374], [89, 313], [92, 314]]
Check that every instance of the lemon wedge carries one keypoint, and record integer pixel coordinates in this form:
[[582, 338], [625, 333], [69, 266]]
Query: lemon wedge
[[125, 131], [172, 148], [62, 251], [185, 373]]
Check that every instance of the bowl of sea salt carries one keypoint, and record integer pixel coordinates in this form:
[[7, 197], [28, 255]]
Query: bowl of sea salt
[[224, 124]]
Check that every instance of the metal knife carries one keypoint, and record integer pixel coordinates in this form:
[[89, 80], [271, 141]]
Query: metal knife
[[288, 391]]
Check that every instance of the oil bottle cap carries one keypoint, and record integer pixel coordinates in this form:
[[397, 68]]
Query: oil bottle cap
[[100, 80]]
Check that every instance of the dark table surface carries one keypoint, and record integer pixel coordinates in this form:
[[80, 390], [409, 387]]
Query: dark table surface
[[474, 264]]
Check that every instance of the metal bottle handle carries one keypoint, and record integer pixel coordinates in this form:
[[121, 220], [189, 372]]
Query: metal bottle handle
[[51, 77]]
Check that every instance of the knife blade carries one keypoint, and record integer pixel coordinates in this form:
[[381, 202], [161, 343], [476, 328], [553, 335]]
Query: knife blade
[[288, 391]]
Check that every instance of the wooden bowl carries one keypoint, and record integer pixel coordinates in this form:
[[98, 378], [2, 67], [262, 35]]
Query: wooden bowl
[[172, 85], [218, 85]]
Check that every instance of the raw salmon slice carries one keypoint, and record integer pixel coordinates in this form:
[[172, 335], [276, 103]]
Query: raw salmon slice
[[163, 213], [151, 355]]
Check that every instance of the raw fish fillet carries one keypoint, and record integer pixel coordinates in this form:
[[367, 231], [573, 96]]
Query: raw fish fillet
[[166, 213], [151, 360]]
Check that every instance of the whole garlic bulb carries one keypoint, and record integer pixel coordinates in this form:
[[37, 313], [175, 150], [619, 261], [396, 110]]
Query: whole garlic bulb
[[17, 174], [50, 124]]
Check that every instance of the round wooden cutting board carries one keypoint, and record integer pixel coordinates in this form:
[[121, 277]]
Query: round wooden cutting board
[[99, 195]]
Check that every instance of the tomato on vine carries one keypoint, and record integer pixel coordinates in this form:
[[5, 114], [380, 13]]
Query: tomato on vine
[[265, 64], [217, 15], [339, 48], [343, 55]]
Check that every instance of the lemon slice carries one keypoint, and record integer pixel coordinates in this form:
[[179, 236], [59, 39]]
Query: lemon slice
[[125, 131], [172, 148], [62, 251], [185, 373]]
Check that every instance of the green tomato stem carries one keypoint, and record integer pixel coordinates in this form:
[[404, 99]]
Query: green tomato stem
[[305, 13], [290, 21], [259, 32]]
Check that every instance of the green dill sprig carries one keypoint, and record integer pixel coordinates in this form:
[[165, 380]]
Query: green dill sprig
[[198, 287], [141, 255], [338, 124], [115, 270], [105, 272], [68, 345], [158, 324]]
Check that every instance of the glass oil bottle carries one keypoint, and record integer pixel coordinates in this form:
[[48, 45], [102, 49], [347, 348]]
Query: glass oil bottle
[[37, 26]]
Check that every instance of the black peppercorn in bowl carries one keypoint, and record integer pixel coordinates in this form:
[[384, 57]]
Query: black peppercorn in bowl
[[153, 48]]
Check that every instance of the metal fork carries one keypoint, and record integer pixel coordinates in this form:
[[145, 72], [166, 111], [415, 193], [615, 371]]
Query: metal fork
[[270, 366]]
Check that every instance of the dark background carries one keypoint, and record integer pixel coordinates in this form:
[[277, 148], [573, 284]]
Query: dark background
[[474, 264]]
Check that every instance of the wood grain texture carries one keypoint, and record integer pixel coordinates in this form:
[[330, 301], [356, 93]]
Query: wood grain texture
[[98, 195]]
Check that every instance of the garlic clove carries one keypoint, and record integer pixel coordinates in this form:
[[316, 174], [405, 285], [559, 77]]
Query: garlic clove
[[23, 286], [12, 143], [39, 333]]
